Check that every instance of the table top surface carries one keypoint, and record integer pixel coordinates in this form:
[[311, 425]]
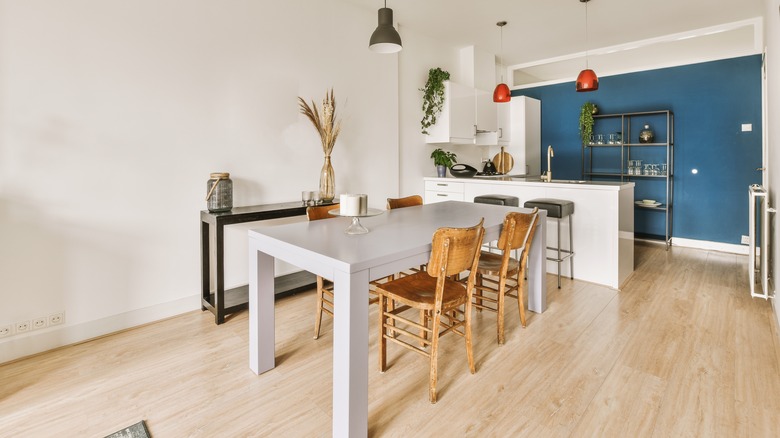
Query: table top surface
[[396, 233]]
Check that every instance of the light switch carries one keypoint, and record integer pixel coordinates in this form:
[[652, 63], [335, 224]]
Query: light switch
[[747, 127]]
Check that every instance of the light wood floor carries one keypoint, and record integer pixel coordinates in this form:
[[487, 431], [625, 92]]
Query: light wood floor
[[682, 350]]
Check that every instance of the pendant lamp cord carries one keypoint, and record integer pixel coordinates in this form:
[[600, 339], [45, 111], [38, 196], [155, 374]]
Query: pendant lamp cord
[[501, 56], [586, 36]]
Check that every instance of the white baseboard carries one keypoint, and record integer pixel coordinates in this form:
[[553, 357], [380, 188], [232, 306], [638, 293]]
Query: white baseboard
[[712, 246], [60, 336]]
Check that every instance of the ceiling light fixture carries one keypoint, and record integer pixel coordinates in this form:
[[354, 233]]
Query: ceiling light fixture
[[501, 94], [587, 80], [385, 38]]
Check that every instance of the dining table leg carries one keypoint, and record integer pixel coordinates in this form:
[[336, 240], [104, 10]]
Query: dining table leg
[[350, 354], [261, 311], [537, 267]]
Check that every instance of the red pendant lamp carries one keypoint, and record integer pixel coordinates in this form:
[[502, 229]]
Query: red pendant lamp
[[501, 94], [587, 79]]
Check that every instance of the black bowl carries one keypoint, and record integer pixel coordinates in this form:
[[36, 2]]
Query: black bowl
[[462, 171]]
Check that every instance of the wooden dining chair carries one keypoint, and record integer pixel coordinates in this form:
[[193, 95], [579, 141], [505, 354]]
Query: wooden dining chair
[[408, 201], [325, 287], [500, 275], [446, 302]]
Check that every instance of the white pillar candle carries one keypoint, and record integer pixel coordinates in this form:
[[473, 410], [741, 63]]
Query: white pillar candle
[[353, 205], [350, 205]]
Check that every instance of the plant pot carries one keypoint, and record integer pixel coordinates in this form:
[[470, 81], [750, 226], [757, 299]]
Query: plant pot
[[441, 170]]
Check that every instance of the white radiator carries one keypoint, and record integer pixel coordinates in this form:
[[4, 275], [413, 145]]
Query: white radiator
[[758, 263]]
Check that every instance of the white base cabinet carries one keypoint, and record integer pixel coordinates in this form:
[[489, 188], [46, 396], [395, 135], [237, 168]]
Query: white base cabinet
[[443, 190], [603, 220]]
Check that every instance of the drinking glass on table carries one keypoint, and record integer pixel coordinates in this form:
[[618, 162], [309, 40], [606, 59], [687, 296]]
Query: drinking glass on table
[[306, 197]]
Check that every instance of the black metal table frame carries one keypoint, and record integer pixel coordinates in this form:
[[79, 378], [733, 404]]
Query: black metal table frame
[[224, 302]]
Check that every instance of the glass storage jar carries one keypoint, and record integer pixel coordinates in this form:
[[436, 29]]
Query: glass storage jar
[[219, 192]]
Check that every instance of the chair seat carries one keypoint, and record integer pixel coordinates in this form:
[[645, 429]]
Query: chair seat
[[556, 208], [419, 290], [490, 264]]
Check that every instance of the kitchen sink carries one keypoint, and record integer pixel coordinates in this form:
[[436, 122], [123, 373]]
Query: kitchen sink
[[559, 181]]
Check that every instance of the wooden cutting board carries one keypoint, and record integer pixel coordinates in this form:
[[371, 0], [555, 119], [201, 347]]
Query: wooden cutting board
[[503, 161]]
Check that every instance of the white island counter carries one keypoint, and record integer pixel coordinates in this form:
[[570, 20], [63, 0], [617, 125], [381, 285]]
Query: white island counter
[[603, 220]]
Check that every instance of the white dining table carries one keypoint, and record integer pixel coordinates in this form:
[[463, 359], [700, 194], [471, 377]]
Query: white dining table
[[397, 240]]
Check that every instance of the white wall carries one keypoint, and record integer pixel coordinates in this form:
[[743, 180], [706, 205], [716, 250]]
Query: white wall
[[772, 39], [112, 115]]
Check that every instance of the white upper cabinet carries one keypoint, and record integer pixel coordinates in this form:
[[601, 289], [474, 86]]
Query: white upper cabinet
[[504, 117], [520, 131], [456, 122], [469, 115], [487, 117]]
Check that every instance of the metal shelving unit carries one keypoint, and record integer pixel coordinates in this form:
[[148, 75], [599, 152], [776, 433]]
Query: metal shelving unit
[[629, 145]]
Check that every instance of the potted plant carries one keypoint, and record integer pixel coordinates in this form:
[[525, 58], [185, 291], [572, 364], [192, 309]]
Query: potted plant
[[586, 121], [443, 161], [433, 97]]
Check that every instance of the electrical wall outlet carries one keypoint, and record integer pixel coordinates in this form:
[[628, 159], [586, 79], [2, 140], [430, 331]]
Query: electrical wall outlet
[[57, 318], [39, 323], [22, 326], [745, 240], [5, 331]]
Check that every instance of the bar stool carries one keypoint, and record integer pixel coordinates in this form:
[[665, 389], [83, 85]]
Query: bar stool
[[512, 201], [558, 209]]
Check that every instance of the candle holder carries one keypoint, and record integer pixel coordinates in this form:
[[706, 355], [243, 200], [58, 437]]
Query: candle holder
[[356, 227]]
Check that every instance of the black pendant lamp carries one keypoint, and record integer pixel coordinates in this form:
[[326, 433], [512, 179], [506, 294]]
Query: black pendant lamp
[[587, 79], [385, 38], [501, 94]]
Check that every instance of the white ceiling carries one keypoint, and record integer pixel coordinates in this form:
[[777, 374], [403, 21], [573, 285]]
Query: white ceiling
[[543, 29]]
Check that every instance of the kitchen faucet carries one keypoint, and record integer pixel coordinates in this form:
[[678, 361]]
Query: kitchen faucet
[[550, 153]]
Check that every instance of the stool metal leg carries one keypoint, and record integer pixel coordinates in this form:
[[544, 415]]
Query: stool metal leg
[[558, 245], [571, 251]]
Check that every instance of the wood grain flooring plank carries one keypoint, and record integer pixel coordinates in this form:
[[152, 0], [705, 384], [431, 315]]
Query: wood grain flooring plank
[[680, 350]]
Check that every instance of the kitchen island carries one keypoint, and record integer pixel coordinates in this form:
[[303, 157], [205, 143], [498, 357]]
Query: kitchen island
[[603, 219]]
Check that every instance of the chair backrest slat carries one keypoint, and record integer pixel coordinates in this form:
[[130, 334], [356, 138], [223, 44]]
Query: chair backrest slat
[[409, 201], [518, 230], [459, 247]]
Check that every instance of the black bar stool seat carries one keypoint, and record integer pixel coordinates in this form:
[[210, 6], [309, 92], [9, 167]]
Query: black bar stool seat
[[557, 209], [512, 201]]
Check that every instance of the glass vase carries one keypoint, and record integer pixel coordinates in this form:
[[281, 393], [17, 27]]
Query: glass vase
[[646, 134], [327, 182]]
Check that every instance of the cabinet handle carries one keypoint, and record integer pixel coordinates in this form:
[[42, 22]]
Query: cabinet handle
[[441, 194], [442, 185], [500, 132], [475, 130]]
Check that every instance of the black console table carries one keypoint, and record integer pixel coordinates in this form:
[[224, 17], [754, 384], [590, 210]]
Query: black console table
[[223, 302]]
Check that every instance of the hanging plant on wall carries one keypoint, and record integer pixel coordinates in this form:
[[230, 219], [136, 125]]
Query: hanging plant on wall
[[586, 121], [433, 97]]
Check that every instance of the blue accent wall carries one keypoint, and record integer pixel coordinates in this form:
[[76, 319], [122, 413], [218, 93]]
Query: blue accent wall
[[710, 102]]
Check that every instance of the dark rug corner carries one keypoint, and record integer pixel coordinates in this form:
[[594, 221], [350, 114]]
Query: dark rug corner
[[138, 430]]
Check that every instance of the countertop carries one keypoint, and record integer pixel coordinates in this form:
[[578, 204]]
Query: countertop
[[536, 181]]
